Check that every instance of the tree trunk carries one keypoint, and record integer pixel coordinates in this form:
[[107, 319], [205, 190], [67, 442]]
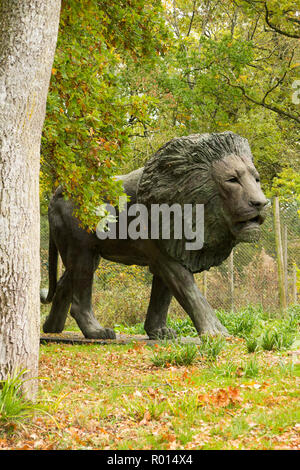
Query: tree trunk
[[28, 33]]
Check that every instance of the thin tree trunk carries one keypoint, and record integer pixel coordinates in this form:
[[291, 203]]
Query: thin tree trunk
[[28, 33], [279, 255], [231, 279]]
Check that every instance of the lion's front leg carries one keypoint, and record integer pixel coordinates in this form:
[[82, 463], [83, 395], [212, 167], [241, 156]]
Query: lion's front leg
[[182, 285], [155, 324]]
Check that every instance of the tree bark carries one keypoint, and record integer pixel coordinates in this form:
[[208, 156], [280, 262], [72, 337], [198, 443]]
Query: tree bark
[[28, 33]]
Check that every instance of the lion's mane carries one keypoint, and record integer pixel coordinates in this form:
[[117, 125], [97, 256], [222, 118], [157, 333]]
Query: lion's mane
[[181, 172]]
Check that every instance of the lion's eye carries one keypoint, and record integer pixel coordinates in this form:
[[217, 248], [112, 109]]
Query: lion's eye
[[257, 180], [233, 180]]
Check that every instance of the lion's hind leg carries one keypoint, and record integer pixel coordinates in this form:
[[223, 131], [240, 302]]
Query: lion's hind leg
[[81, 310], [56, 319]]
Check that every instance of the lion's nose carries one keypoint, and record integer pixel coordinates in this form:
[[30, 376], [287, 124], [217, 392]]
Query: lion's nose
[[259, 204]]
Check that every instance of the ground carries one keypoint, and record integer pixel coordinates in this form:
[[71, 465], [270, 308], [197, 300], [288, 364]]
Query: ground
[[114, 397]]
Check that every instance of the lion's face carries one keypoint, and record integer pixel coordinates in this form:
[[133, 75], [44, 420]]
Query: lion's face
[[243, 201]]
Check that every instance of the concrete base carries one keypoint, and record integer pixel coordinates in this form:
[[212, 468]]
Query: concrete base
[[74, 337]]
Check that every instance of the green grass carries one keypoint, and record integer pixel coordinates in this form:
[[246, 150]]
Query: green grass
[[210, 347], [257, 327], [251, 368], [174, 353], [112, 397], [13, 406], [252, 344], [218, 394], [241, 323]]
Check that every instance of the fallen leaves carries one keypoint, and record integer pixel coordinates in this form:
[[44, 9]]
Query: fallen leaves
[[221, 397], [146, 418], [110, 398]]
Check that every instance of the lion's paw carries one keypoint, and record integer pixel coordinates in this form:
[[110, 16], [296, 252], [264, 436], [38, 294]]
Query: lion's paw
[[162, 333], [100, 333]]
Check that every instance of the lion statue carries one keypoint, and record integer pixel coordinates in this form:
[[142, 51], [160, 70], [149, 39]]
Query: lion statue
[[213, 170]]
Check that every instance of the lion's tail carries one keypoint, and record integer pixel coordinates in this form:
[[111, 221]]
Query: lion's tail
[[47, 296]]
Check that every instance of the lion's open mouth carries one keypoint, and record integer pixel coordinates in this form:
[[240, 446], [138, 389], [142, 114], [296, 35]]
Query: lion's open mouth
[[252, 223]]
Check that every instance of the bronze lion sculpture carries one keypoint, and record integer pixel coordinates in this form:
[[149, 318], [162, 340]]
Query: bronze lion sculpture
[[215, 170]]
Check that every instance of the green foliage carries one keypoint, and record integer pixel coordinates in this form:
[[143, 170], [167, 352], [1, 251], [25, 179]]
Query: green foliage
[[287, 185], [210, 347], [130, 75], [240, 323], [182, 326], [175, 354], [251, 368], [274, 339], [280, 16], [13, 406], [138, 409], [255, 326], [252, 344], [224, 70], [228, 369], [137, 329], [85, 138]]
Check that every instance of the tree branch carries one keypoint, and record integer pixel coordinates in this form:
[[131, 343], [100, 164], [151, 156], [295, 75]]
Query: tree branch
[[192, 19], [275, 28], [279, 81], [273, 108]]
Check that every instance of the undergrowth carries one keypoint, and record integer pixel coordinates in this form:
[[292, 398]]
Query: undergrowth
[[258, 328], [13, 406]]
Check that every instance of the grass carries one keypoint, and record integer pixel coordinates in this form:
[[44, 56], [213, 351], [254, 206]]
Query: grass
[[252, 344], [255, 326], [210, 347], [14, 408], [173, 396], [174, 354], [251, 368]]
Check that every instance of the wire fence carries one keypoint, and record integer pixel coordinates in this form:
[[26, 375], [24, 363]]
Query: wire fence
[[250, 276]]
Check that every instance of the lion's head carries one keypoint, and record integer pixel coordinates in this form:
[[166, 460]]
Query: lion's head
[[216, 170]]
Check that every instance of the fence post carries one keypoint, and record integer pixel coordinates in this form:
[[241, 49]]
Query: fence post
[[231, 279], [285, 260], [279, 254], [294, 283]]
